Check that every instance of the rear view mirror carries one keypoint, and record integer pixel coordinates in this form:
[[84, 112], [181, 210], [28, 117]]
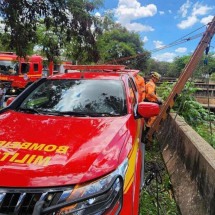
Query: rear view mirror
[[148, 109]]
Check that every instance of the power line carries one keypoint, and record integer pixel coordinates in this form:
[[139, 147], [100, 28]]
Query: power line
[[181, 40], [177, 42], [158, 49]]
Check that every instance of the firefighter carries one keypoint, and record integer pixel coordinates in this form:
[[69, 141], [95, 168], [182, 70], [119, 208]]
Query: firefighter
[[140, 83], [151, 95]]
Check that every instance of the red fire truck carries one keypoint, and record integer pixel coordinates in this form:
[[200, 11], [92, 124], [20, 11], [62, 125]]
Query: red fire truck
[[17, 73], [78, 150]]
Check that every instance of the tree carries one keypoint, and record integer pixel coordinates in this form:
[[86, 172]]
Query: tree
[[177, 66], [205, 65], [118, 45], [67, 20], [4, 41], [160, 67]]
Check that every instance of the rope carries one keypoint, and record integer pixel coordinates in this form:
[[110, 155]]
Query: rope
[[208, 96]]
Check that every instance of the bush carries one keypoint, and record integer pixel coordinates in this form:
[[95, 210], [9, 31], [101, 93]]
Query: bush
[[212, 76], [193, 112]]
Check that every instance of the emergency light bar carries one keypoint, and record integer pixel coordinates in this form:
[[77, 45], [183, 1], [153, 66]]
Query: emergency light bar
[[114, 68]]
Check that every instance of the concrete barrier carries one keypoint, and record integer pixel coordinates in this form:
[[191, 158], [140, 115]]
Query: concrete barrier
[[190, 161]]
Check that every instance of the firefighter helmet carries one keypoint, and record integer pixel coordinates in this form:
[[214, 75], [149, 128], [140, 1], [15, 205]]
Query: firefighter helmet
[[156, 75]]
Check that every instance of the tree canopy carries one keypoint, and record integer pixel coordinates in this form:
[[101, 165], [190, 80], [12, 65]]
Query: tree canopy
[[178, 65], [174, 69], [66, 19], [118, 45], [162, 67], [68, 28]]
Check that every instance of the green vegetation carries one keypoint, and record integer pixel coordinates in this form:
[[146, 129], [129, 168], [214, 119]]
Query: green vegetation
[[69, 30], [67, 21], [213, 76], [201, 119], [119, 43], [175, 68], [166, 202]]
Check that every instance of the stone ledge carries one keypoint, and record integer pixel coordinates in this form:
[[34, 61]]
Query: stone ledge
[[190, 161]]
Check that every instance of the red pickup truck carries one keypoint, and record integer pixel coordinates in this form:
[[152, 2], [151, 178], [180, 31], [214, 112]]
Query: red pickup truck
[[70, 144]]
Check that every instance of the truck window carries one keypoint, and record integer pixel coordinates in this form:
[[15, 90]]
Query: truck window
[[96, 97], [25, 67], [36, 67], [132, 91], [9, 67]]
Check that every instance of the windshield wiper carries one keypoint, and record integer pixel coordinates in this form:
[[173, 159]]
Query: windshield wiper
[[64, 113], [67, 113], [103, 114], [79, 114], [28, 110]]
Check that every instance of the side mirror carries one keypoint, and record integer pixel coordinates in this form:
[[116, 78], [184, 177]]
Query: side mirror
[[9, 101], [148, 109]]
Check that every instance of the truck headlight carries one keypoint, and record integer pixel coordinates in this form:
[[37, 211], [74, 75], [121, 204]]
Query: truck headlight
[[103, 196]]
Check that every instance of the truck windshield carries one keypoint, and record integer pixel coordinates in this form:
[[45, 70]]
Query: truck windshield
[[8, 67], [78, 97]]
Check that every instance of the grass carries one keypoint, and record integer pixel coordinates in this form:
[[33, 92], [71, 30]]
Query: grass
[[160, 189], [207, 131]]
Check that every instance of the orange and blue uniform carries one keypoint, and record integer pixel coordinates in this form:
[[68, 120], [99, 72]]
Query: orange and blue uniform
[[151, 97], [151, 91], [140, 83]]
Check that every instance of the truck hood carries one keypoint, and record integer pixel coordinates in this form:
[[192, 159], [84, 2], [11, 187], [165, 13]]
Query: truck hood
[[40, 150]]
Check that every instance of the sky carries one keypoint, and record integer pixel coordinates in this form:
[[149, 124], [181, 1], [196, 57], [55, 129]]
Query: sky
[[162, 22]]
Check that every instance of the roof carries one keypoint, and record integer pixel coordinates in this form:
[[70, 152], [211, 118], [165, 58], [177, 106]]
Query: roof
[[95, 72], [13, 56], [87, 75], [104, 67]]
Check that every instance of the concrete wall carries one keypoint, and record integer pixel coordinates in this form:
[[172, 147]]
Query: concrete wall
[[190, 161]]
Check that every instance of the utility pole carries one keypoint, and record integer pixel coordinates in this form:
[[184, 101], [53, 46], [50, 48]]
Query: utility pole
[[185, 75]]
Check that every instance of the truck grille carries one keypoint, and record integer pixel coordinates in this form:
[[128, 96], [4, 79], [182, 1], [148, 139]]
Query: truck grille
[[49, 201], [23, 203]]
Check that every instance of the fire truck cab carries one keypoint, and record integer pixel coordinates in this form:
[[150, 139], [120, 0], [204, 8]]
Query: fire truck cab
[[17, 73]]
